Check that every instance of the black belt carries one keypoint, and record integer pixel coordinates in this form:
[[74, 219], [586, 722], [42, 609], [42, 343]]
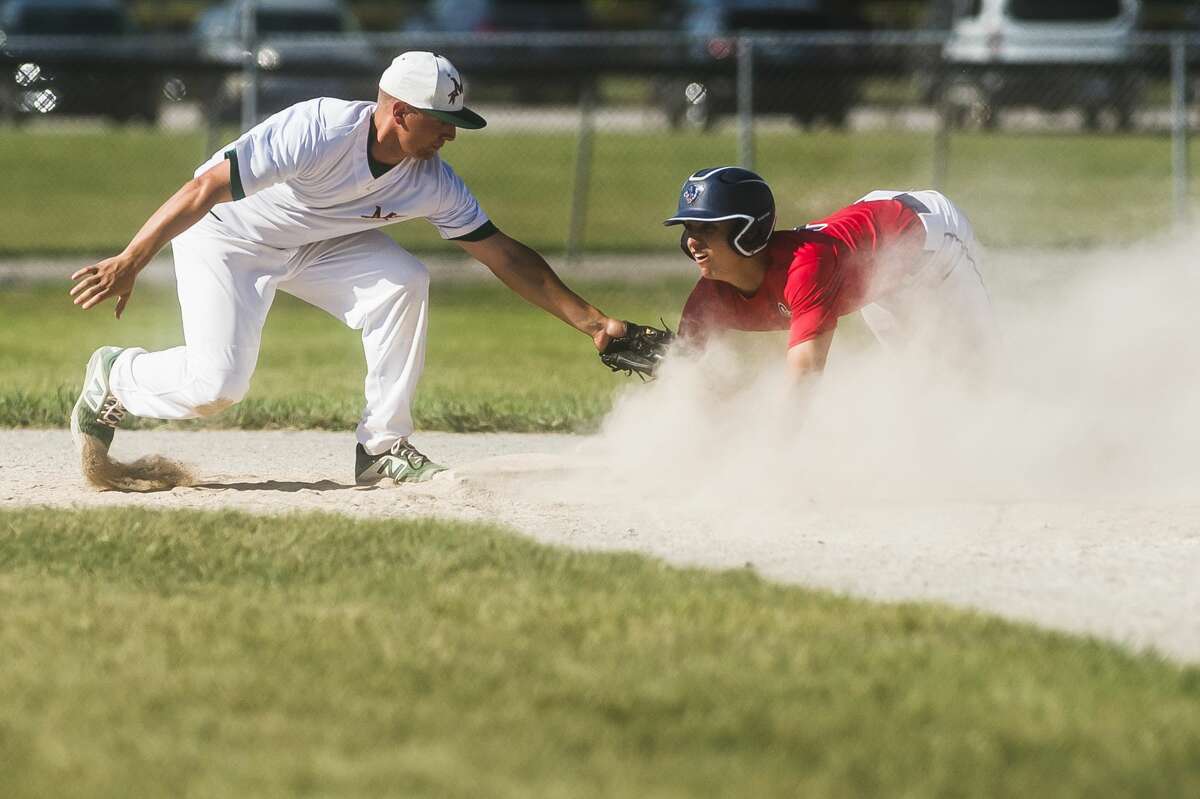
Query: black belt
[[912, 203]]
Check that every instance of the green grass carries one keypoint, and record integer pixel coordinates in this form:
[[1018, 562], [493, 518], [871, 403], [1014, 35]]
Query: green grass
[[75, 193], [188, 654], [493, 362]]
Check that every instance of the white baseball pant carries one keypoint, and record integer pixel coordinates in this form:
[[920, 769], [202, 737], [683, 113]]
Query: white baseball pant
[[944, 303], [226, 286]]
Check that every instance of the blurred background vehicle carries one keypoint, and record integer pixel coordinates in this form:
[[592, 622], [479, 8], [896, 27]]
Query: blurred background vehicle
[[811, 84], [297, 56], [483, 16], [581, 96], [530, 65], [1045, 54], [58, 45]]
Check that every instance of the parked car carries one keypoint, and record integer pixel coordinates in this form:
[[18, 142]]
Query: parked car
[[1046, 54], [74, 57], [809, 83], [481, 16], [519, 61], [305, 49]]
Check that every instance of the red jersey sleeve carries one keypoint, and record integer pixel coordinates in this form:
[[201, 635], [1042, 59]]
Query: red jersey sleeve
[[812, 293]]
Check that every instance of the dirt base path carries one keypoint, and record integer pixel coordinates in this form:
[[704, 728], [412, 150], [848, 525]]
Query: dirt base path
[[1123, 572]]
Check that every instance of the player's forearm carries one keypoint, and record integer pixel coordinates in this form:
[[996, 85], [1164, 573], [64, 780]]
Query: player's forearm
[[806, 360], [552, 295], [528, 274], [184, 209]]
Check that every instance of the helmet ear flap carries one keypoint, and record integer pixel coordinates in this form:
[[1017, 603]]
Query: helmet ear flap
[[754, 235], [735, 236], [683, 236]]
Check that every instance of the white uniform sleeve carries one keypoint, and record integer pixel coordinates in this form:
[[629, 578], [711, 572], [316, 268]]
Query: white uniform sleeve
[[458, 212], [878, 194], [282, 146]]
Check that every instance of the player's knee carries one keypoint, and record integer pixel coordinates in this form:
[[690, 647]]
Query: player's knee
[[217, 392], [407, 286], [418, 282], [413, 291]]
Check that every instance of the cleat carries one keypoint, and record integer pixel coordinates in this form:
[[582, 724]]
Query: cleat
[[400, 464], [97, 412]]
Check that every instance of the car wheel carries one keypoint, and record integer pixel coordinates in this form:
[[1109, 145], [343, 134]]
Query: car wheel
[[964, 104], [1124, 118], [669, 96], [699, 115], [839, 118]]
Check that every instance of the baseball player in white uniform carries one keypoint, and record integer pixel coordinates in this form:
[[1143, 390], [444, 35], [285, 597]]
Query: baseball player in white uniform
[[296, 204]]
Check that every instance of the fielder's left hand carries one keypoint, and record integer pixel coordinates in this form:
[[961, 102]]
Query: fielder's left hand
[[112, 277], [611, 329]]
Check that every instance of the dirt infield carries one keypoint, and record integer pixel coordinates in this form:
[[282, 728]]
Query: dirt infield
[[1122, 571]]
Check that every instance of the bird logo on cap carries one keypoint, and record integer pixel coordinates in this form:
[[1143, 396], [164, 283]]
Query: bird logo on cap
[[457, 90]]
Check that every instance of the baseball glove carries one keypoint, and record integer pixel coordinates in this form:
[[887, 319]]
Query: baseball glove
[[639, 351]]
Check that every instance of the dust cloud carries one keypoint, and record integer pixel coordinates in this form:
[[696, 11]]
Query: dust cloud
[[1095, 395], [146, 474]]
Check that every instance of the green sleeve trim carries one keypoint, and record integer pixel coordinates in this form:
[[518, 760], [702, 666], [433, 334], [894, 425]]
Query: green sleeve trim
[[235, 177], [478, 234]]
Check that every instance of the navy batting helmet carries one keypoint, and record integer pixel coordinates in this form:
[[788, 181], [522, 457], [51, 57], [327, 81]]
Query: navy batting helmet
[[723, 193]]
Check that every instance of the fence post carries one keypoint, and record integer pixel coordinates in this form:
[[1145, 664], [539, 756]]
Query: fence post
[[210, 106], [941, 143], [249, 64], [1180, 167], [583, 171], [944, 119], [745, 93]]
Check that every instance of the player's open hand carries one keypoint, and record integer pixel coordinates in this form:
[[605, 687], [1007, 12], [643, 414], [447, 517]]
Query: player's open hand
[[112, 277], [612, 328]]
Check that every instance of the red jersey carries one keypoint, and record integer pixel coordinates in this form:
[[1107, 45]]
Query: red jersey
[[817, 273]]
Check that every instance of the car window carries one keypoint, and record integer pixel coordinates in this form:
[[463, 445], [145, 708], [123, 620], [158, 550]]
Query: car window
[[578, 4], [69, 22], [776, 19], [298, 22], [511, 15], [968, 8], [1064, 10]]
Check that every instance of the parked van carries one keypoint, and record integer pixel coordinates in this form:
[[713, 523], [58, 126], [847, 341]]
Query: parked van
[[1046, 54]]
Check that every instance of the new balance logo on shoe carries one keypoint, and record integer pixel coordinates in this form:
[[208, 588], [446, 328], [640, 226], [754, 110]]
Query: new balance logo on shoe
[[94, 394], [391, 467]]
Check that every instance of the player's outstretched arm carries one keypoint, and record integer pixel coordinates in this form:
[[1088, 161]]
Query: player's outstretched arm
[[526, 272], [114, 277], [806, 359]]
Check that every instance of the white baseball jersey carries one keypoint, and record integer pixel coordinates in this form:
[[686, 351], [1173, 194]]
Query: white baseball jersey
[[302, 176]]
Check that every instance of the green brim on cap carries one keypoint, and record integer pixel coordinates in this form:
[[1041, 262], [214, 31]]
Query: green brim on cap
[[465, 118]]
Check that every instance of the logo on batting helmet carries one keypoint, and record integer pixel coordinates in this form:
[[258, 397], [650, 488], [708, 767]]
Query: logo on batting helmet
[[725, 193]]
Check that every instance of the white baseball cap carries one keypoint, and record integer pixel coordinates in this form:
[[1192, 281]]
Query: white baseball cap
[[430, 83]]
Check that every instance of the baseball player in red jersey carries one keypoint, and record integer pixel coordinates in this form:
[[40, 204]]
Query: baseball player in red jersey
[[907, 260]]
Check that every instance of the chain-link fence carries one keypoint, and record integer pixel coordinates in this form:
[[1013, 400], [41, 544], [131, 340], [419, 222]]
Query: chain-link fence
[[590, 136]]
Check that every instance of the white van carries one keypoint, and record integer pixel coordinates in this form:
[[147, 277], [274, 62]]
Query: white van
[[1047, 54]]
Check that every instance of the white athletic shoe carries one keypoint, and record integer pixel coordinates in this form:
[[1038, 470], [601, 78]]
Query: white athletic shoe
[[403, 463], [97, 412]]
